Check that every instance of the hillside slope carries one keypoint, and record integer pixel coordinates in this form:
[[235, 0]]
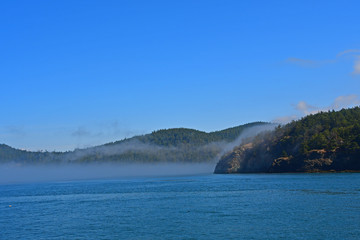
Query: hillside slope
[[327, 141]]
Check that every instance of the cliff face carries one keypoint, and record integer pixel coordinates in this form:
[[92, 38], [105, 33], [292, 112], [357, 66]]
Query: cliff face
[[231, 162], [246, 158], [242, 160], [318, 160], [317, 143]]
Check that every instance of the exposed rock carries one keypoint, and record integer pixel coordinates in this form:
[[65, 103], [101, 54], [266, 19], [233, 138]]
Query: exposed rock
[[323, 142], [238, 161], [229, 163]]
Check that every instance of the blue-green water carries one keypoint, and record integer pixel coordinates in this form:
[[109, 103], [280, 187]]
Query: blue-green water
[[251, 206]]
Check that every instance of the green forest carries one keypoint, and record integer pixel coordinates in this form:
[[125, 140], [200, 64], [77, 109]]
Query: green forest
[[326, 141]]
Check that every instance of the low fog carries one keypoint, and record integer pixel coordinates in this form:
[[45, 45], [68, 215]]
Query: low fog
[[14, 173], [136, 145], [20, 174], [246, 134]]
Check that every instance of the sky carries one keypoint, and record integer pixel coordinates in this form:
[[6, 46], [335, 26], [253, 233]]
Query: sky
[[75, 74]]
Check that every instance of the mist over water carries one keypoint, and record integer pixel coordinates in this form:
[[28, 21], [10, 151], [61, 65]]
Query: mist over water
[[21, 174], [13, 173]]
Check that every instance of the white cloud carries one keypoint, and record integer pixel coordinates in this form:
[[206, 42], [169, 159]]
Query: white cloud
[[15, 131], [339, 103], [305, 108], [302, 62], [285, 119], [348, 51], [357, 59], [81, 132], [344, 102], [357, 66], [339, 57]]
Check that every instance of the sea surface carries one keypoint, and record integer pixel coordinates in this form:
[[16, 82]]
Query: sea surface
[[244, 206]]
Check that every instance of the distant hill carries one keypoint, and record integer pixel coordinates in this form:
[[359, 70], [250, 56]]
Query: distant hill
[[9, 154], [168, 145], [327, 141]]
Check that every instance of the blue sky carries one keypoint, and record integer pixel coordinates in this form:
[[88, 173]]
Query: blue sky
[[82, 73]]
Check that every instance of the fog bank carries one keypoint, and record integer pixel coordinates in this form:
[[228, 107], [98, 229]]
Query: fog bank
[[69, 170], [10, 174]]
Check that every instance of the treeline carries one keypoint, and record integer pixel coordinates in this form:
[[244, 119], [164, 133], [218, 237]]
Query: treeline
[[9, 154], [184, 136], [330, 131]]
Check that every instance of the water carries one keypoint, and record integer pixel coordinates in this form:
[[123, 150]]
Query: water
[[250, 206]]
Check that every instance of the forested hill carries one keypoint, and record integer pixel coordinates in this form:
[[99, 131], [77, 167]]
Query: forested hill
[[9, 154], [169, 145], [327, 141], [185, 136]]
